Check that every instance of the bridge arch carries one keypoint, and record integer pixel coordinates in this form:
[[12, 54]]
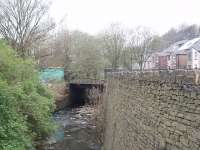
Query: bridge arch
[[79, 91]]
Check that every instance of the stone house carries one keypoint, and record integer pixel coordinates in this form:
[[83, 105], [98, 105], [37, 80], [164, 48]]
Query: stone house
[[180, 55], [152, 62], [155, 61], [167, 58], [189, 54]]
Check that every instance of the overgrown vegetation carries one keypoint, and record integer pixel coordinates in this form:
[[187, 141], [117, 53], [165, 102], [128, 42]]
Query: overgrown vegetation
[[25, 105]]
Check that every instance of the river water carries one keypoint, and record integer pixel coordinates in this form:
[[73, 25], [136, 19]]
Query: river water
[[75, 130]]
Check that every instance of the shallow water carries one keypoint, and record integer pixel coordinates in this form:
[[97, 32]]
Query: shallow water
[[75, 132]]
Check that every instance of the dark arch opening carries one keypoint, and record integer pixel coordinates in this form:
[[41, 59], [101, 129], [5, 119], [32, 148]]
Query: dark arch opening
[[79, 95]]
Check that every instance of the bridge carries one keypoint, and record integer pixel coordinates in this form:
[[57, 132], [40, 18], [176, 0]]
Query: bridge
[[79, 90], [87, 81]]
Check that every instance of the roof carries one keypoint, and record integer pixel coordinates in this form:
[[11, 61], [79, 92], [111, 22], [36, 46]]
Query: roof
[[173, 48], [197, 45], [194, 43], [181, 42], [179, 52], [159, 54]]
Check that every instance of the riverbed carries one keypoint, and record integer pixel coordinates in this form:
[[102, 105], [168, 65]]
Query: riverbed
[[76, 130]]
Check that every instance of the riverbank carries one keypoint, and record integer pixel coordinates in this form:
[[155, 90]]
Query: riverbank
[[60, 94], [76, 130], [76, 127]]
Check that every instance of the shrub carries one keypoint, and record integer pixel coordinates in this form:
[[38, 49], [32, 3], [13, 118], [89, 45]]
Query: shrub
[[25, 104]]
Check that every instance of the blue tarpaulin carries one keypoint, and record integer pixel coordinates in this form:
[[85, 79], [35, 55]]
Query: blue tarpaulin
[[52, 74]]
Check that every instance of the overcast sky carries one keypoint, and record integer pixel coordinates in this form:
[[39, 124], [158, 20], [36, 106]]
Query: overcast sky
[[93, 16]]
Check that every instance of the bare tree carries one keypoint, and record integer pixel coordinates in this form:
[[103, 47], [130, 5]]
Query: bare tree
[[127, 59], [140, 45], [113, 44], [23, 23], [62, 50], [86, 57], [182, 32]]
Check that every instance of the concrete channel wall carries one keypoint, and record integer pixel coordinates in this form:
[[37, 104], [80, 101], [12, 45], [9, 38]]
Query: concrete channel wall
[[152, 111]]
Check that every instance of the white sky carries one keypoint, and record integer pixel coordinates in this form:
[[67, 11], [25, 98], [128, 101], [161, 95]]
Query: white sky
[[93, 16]]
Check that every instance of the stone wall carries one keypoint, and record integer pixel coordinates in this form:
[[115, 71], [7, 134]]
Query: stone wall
[[152, 111]]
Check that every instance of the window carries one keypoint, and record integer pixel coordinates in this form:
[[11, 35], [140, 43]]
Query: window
[[190, 56], [153, 59], [168, 57], [189, 67], [195, 55]]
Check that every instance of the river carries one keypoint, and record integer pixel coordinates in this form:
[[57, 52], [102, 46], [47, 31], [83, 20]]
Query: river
[[75, 130]]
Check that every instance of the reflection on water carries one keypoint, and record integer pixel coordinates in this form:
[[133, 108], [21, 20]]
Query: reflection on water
[[75, 131]]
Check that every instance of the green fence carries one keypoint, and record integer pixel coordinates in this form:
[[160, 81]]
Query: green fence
[[52, 74]]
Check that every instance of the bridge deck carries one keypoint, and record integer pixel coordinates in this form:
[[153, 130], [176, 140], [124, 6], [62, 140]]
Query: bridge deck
[[87, 81]]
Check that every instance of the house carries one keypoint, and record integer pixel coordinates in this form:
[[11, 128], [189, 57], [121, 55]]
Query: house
[[181, 59], [188, 55], [167, 58], [152, 62], [180, 55]]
